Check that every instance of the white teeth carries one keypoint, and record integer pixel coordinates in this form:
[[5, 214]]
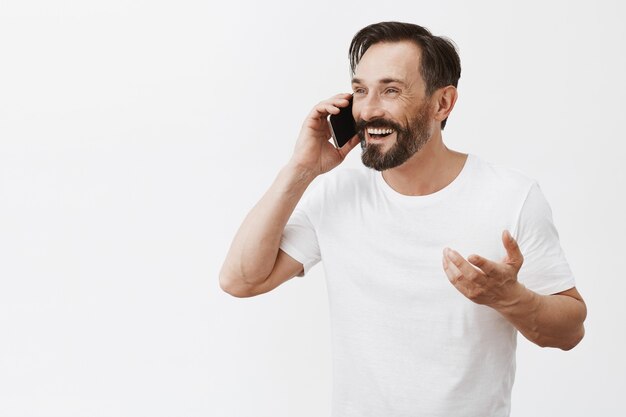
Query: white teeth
[[379, 131]]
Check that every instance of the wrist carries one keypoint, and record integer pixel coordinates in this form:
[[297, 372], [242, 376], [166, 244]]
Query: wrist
[[517, 296], [293, 180], [299, 173]]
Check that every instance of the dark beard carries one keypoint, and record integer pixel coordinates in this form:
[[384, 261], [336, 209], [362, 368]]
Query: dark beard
[[409, 140]]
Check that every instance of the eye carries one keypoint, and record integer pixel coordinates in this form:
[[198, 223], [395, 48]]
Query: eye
[[358, 90], [392, 91]]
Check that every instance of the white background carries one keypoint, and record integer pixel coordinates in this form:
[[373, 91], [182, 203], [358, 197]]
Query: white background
[[135, 136]]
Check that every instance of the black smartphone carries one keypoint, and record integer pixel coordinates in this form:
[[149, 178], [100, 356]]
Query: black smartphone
[[342, 125]]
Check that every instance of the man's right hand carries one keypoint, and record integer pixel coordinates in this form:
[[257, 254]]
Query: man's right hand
[[314, 152], [255, 264]]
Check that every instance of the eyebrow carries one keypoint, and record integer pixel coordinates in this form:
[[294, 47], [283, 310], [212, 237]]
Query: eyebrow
[[382, 81]]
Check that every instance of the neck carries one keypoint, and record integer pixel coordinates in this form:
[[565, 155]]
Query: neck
[[429, 170]]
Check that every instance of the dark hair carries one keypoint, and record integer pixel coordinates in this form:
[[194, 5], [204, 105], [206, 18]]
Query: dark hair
[[440, 62]]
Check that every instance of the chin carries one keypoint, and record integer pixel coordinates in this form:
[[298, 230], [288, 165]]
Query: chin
[[383, 145]]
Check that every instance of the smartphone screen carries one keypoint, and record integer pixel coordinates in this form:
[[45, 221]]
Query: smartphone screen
[[342, 125]]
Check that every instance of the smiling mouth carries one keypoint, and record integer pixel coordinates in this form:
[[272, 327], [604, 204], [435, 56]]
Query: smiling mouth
[[378, 133]]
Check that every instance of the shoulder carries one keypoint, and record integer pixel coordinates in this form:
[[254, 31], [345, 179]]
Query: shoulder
[[500, 178], [338, 188], [345, 181]]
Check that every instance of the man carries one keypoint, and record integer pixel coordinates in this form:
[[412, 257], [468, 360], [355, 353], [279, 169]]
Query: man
[[418, 329]]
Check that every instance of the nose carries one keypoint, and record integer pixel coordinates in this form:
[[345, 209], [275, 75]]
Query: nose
[[368, 108]]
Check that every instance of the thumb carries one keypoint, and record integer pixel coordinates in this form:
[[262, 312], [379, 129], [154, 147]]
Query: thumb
[[345, 149], [514, 255]]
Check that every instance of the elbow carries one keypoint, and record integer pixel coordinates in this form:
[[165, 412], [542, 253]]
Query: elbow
[[575, 340], [234, 286], [578, 335], [564, 344], [226, 286]]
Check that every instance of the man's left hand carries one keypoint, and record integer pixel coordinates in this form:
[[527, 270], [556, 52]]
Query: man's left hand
[[486, 282]]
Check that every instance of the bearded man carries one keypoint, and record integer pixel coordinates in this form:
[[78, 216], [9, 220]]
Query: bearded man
[[417, 328]]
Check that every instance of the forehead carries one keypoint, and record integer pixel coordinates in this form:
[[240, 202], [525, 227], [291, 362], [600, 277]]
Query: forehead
[[398, 60]]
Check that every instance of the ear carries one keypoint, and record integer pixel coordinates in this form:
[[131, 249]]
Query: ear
[[444, 100]]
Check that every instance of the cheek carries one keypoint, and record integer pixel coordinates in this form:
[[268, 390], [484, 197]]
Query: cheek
[[355, 111], [408, 102], [404, 109]]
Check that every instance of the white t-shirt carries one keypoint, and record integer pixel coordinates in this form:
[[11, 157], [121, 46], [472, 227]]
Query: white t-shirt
[[405, 342]]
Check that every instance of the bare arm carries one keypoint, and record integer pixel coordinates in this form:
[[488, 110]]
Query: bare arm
[[255, 248], [254, 263], [546, 320]]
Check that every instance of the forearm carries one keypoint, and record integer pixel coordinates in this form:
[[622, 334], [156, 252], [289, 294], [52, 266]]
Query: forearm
[[547, 320], [254, 249]]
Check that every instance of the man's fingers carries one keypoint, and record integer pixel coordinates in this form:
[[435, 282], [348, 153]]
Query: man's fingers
[[513, 252], [322, 110], [484, 264], [345, 149], [343, 95], [330, 106], [451, 269], [458, 263]]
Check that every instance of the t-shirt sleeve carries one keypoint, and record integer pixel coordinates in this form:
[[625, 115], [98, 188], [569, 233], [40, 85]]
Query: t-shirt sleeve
[[545, 269], [299, 239]]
